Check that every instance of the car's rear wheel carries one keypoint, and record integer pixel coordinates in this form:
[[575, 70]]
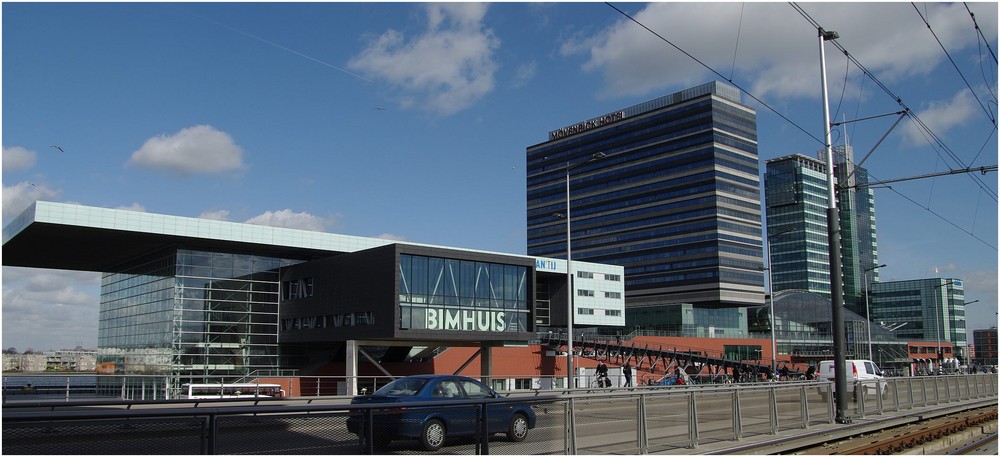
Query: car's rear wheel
[[518, 428], [433, 435]]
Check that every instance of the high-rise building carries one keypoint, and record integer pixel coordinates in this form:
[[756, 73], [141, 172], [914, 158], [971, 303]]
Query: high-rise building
[[668, 189], [795, 192], [984, 341], [795, 189], [930, 309], [859, 249]]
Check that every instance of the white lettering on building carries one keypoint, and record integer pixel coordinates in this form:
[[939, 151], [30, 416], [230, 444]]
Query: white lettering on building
[[465, 319]]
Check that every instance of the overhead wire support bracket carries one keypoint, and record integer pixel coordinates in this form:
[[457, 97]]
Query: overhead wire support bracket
[[836, 124], [984, 169], [901, 115]]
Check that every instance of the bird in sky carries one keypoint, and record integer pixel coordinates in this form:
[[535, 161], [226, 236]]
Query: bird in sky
[[379, 108], [57, 147]]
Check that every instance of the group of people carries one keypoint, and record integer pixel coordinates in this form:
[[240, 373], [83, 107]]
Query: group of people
[[602, 375]]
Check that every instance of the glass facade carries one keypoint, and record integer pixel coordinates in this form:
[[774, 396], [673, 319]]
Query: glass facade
[[931, 309], [675, 201], [803, 330], [191, 315], [685, 319], [795, 191], [449, 294]]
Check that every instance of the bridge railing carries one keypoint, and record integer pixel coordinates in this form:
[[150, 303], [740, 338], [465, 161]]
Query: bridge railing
[[676, 419]]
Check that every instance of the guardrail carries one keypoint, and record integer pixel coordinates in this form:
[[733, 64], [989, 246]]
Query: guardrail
[[571, 421]]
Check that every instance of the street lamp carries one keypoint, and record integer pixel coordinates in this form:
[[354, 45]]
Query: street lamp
[[833, 236], [569, 270], [868, 311], [937, 324], [770, 283]]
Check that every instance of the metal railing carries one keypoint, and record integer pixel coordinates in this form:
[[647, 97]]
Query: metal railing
[[568, 421]]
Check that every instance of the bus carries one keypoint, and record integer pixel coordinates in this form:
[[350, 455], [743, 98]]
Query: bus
[[236, 390]]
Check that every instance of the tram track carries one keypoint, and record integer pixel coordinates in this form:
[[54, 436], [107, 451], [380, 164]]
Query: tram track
[[910, 436], [953, 427]]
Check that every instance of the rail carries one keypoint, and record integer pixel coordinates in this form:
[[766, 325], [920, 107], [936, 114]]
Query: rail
[[678, 419]]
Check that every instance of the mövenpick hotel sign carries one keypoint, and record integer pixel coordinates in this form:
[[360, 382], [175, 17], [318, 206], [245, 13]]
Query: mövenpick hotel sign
[[586, 125]]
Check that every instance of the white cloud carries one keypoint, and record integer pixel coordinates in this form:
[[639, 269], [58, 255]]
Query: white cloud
[[525, 73], [941, 116], [391, 237], [198, 149], [20, 196], [49, 309], [289, 219], [446, 69], [775, 49], [133, 207], [17, 158], [219, 215]]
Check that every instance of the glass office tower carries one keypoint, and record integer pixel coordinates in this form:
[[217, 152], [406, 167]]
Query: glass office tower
[[795, 190], [675, 200]]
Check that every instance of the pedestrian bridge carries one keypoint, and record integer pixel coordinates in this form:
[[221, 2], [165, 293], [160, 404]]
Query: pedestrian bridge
[[694, 419]]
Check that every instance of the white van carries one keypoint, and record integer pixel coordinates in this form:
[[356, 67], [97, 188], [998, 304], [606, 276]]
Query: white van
[[864, 372]]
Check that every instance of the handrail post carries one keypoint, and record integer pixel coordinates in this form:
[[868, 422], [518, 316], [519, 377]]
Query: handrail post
[[737, 420], [570, 428], [642, 423], [692, 420], [213, 432], [483, 444], [803, 400], [772, 397]]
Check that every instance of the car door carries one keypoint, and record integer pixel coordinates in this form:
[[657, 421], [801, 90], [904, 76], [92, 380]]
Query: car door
[[498, 415], [460, 420]]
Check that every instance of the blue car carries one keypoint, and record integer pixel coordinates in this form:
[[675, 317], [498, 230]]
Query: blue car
[[432, 425]]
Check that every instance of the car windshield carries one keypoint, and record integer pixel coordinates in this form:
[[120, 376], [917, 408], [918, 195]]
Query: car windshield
[[402, 387]]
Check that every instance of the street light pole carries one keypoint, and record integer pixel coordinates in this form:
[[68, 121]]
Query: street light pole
[[868, 310], [833, 235], [937, 325], [770, 285], [570, 311]]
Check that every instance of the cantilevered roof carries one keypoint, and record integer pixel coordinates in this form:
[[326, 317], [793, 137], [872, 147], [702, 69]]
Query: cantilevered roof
[[75, 237], [66, 236]]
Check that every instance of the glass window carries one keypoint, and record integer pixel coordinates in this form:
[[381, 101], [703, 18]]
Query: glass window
[[476, 390]]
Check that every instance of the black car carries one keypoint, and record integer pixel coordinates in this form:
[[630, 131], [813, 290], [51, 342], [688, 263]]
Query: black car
[[432, 425]]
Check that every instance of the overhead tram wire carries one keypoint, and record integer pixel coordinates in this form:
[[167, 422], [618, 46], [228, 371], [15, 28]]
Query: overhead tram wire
[[866, 73], [916, 119], [989, 115], [764, 104], [736, 49], [976, 24]]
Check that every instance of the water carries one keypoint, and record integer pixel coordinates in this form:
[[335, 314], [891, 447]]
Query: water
[[49, 387]]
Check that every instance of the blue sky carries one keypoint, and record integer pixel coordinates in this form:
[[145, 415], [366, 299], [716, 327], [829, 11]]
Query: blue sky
[[410, 121]]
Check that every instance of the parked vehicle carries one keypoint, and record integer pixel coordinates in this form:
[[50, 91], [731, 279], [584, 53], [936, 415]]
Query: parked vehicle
[[861, 373], [431, 425]]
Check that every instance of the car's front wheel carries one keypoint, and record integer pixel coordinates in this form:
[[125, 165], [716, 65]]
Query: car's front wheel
[[518, 428], [433, 435]]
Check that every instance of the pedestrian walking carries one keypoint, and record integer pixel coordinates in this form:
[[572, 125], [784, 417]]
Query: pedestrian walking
[[627, 371]]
